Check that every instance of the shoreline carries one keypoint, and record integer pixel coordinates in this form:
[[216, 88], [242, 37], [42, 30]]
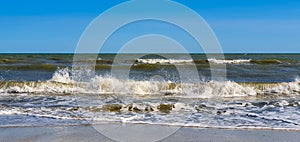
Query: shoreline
[[191, 134]]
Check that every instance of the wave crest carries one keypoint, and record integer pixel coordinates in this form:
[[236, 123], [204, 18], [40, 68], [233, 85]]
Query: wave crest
[[62, 83], [215, 61]]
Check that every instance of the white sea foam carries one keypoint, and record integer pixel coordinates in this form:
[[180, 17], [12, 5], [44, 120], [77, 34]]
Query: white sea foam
[[288, 88], [163, 61], [215, 61], [62, 76], [108, 85], [61, 83]]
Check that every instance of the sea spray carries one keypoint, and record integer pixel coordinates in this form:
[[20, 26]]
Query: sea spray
[[62, 82]]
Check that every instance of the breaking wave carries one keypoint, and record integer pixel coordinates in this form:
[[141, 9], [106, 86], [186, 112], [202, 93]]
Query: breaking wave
[[62, 83]]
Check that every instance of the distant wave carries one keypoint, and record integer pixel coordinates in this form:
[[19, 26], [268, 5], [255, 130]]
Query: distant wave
[[17, 64], [42, 67], [215, 61], [162, 61], [174, 61], [269, 61], [10, 61]]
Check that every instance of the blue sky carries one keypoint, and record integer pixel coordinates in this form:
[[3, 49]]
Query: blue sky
[[242, 26]]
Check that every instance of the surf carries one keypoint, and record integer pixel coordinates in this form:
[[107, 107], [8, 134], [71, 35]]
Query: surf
[[62, 83]]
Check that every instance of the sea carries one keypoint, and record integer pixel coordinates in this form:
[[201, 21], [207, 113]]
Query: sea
[[258, 91]]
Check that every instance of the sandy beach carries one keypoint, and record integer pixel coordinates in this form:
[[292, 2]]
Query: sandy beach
[[89, 134]]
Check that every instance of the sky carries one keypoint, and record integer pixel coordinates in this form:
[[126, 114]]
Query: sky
[[241, 26]]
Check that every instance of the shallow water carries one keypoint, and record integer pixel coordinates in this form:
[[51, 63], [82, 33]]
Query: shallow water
[[261, 91]]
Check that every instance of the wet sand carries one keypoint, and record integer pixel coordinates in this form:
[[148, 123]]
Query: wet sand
[[89, 134]]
